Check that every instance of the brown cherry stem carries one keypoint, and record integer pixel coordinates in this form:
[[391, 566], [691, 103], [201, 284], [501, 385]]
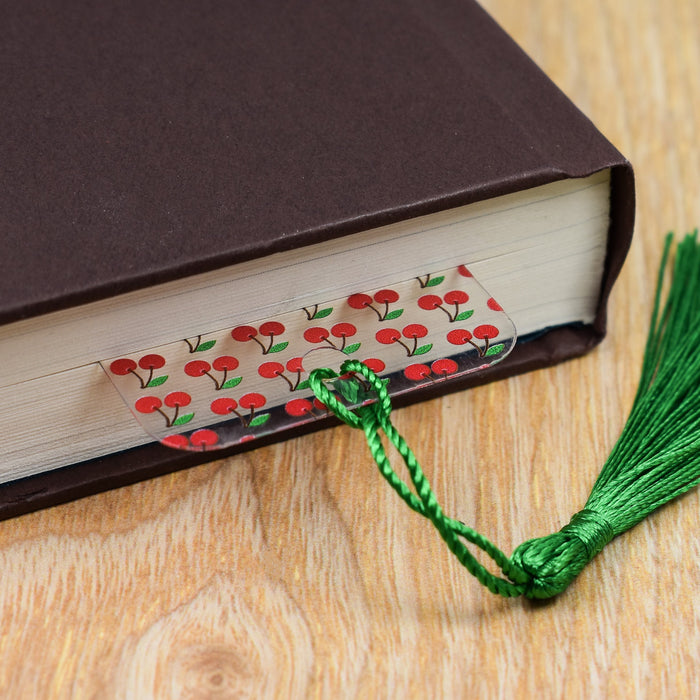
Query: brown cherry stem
[[449, 315], [478, 349], [168, 422], [376, 311], [214, 379], [138, 376], [405, 347], [286, 379], [261, 345]]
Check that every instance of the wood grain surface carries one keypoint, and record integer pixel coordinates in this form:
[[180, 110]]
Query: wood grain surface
[[294, 572]]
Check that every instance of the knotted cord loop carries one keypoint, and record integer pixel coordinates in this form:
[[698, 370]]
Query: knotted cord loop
[[539, 568], [372, 419]]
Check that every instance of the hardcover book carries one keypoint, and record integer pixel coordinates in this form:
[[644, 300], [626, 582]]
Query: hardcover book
[[173, 171]]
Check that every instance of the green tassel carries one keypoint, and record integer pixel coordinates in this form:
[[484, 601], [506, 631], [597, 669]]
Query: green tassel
[[656, 458]]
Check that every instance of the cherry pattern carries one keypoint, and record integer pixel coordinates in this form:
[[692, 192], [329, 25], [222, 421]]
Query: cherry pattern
[[305, 407], [449, 304], [342, 331], [223, 364], [440, 368], [249, 402], [485, 332], [175, 400], [217, 389], [411, 333], [317, 311], [269, 329], [426, 281], [198, 345], [383, 298], [200, 440], [150, 362], [270, 370]]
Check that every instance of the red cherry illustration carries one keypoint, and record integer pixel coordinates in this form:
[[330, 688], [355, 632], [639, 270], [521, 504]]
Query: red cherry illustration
[[127, 366], [268, 370], [151, 362], [295, 364], [244, 333], [204, 438], [444, 367], [463, 271], [223, 406], [386, 296], [175, 399], [485, 331], [383, 296], [315, 334], [359, 301], [122, 367], [459, 336], [417, 372], [270, 328], [148, 404], [178, 441], [493, 305], [320, 405], [252, 400], [428, 302], [197, 368], [375, 364], [298, 407], [225, 363], [343, 330], [387, 336], [247, 438], [456, 297], [415, 330]]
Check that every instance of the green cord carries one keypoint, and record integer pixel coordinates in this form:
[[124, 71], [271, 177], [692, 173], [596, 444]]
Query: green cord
[[656, 458]]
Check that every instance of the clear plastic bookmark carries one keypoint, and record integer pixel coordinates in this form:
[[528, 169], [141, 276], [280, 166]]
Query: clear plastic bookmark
[[234, 385]]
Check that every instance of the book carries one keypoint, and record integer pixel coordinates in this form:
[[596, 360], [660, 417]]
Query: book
[[173, 170]]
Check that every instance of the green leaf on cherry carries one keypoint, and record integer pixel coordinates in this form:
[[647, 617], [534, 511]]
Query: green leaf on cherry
[[279, 347], [435, 281], [464, 315], [352, 348], [423, 349], [259, 420], [302, 385], [230, 383], [181, 420], [206, 345], [393, 314], [157, 381], [324, 312], [495, 349]]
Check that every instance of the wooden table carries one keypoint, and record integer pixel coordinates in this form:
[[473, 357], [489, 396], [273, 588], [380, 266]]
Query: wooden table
[[293, 571]]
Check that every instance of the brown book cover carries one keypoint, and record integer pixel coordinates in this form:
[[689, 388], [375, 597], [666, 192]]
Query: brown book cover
[[145, 142]]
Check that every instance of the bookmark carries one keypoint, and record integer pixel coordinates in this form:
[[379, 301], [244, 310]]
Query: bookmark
[[656, 458], [237, 384]]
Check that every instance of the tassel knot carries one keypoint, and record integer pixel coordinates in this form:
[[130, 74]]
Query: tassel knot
[[552, 562]]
